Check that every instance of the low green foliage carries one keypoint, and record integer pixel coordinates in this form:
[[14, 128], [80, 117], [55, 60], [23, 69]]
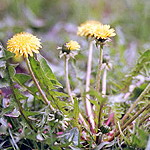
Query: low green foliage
[[27, 122], [43, 120]]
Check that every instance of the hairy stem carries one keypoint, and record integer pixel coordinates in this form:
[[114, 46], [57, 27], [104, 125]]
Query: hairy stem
[[88, 105], [130, 121], [98, 76], [67, 79], [46, 101], [69, 90], [135, 103], [18, 102]]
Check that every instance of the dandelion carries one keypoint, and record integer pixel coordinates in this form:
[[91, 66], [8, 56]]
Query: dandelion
[[72, 45], [96, 31], [69, 48], [24, 44], [103, 33], [88, 28]]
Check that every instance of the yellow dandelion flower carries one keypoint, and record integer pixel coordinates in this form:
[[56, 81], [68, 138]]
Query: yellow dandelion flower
[[69, 49], [96, 30], [24, 44], [88, 28], [103, 32], [72, 45]]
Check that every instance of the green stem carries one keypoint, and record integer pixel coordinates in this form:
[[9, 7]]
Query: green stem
[[38, 86], [104, 81], [121, 133], [135, 103], [143, 119], [99, 123], [98, 77], [103, 95], [131, 120], [17, 101]]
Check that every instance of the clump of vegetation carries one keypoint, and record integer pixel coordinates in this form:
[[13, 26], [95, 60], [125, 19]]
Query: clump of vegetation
[[37, 112]]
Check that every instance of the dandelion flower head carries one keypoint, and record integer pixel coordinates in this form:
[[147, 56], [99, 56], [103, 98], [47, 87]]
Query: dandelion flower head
[[24, 44], [96, 30], [104, 32], [69, 49], [72, 45], [87, 29]]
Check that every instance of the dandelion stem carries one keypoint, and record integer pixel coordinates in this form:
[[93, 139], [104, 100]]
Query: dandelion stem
[[135, 103], [88, 106], [69, 90], [67, 79], [104, 81], [17, 101], [38, 86], [104, 93], [98, 77], [102, 103]]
